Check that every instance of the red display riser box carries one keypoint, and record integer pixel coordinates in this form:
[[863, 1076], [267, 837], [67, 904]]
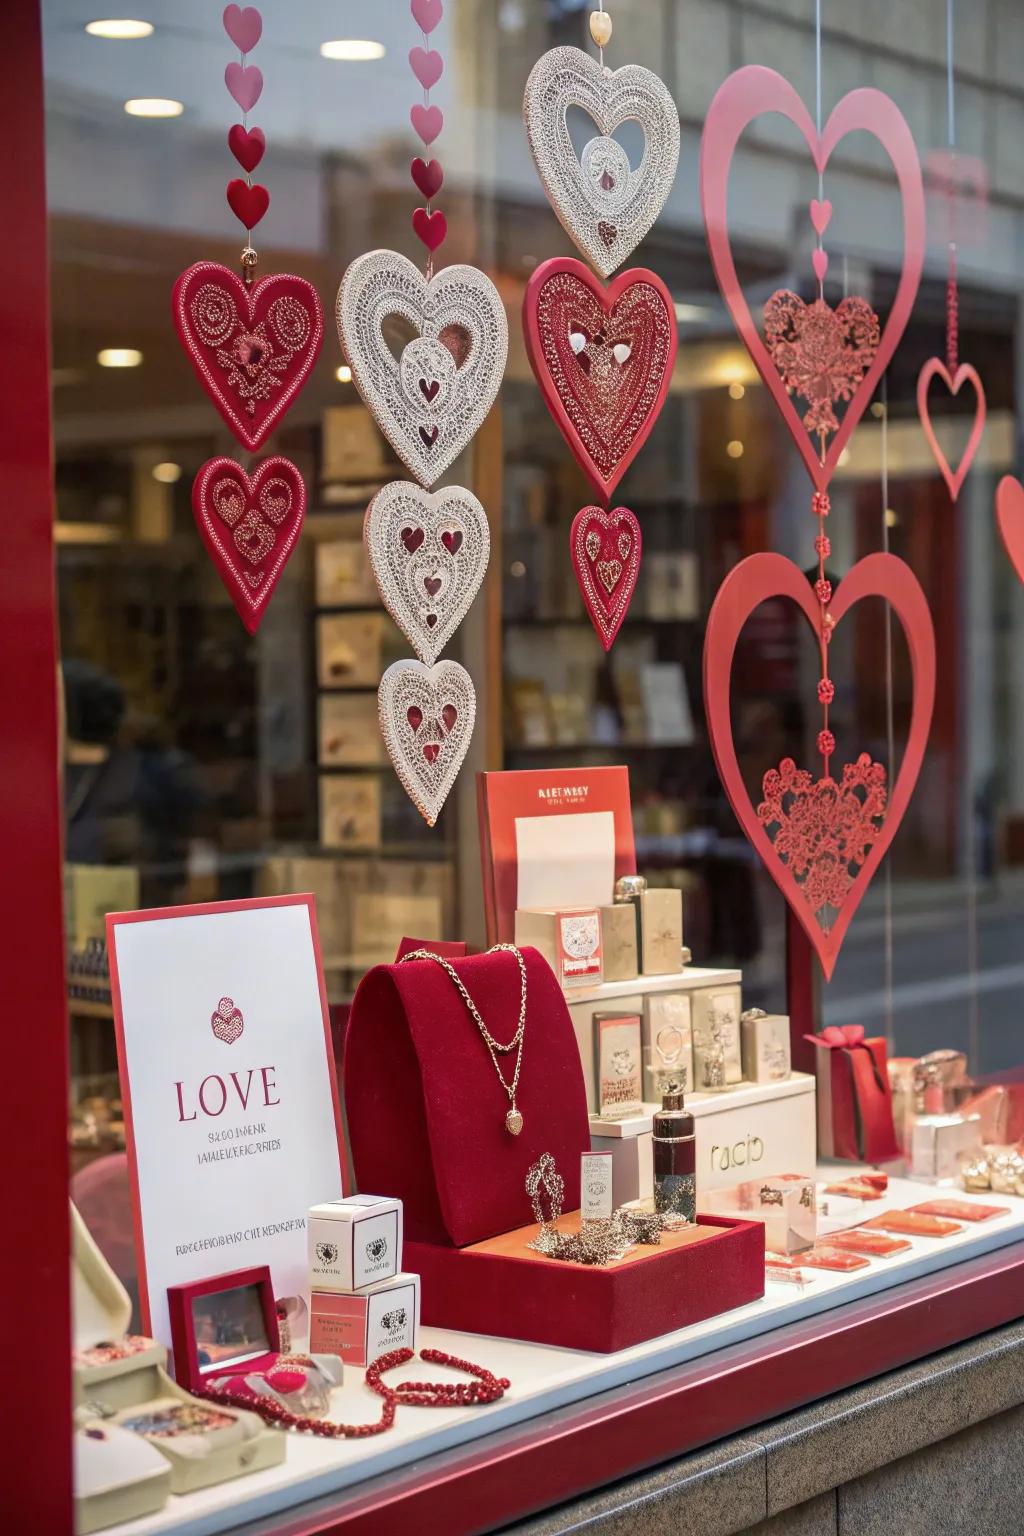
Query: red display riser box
[[504, 1288]]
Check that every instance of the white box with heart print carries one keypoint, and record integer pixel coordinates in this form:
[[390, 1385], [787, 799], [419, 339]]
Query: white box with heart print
[[354, 1243]]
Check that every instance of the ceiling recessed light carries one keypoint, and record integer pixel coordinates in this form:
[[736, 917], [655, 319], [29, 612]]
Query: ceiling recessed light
[[736, 390], [167, 473], [119, 29], [354, 49], [734, 449], [343, 374], [153, 106], [891, 518], [119, 357]]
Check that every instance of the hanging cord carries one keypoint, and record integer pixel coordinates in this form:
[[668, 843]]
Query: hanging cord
[[890, 735]]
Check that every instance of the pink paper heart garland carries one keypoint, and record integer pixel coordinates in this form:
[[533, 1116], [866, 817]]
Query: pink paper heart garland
[[1010, 521], [244, 27], [245, 84], [935, 368]]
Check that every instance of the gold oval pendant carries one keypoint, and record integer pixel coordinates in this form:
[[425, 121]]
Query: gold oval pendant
[[513, 1122]]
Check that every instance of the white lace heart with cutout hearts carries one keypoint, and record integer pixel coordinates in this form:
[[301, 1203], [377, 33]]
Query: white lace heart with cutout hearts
[[605, 205], [429, 552], [429, 401], [426, 719]]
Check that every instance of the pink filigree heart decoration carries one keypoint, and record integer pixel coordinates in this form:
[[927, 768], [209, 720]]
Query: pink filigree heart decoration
[[743, 97], [250, 527], [1010, 520], [821, 354], [226, 1021], [821, 840], [603, 357], [935, 368], [426, 718], [252, 348], [605, 549]]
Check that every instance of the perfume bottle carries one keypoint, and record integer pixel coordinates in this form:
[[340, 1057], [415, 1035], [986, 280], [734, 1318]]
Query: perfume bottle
[[628, 891], [675, 1160]]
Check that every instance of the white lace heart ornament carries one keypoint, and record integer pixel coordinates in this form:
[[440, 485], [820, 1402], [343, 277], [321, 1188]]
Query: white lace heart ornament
[[426, 718]]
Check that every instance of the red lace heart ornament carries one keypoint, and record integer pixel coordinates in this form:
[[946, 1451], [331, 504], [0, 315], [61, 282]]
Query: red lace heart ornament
[[249, 527], [1010, 520], [824, 826], [603, 358], [935, 368], [745, 96], [605, 549], [252, 348]]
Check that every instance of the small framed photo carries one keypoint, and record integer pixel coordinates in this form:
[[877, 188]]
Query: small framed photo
[[223, 1324]]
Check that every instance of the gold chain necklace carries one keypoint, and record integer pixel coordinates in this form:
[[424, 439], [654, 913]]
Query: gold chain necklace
[[514, 1118]]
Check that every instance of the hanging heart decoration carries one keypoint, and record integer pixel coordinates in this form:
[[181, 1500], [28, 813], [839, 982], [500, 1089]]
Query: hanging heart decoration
[[430, 401], [605, 549], [744, 96], [605, 206], [603, 358], [252, 348], [426, 719], [821, 840], [429, 552], [1010, 520], [249, 526], [935, 368]]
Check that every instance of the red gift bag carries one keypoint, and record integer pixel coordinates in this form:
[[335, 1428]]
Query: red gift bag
[[855, 1119]]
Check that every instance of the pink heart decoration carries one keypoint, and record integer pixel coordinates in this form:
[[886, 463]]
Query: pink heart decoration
[[935, 368], [248, 145], [1010, 519], [431, 228], [245, 82], [745, 96], [250, 527], [754, 581], [428, 177], [821, 212], [426, 14], [605, 549], [819, 261], [244, 27], [247, 203], [427, 66], [226, 1021], [252, 348], [427, 121]]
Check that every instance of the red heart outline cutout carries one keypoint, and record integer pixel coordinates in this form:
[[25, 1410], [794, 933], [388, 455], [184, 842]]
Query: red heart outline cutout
[[1010, 521], [607, 297], [606, 610], [935, 368], [746, 95], [252, 308], [754, 581], [249, 590]]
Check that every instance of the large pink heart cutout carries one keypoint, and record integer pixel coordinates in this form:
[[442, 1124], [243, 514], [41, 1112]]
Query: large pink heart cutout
[[1010, 519], [744, 96], [935, 368], [754, 581]]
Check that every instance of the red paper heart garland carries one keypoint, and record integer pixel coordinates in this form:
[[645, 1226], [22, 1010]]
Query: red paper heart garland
[[821, 840], [603, 358], [1010, 521], [935, 368], [605, 549], [249, 526]]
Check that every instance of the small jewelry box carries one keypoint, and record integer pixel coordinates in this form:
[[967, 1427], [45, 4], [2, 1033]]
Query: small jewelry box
[[362, 1325], [354, 1243], [717, 1060], [661, 931], [618, 1062], [765, 1046], [569, 940], [618, 942]]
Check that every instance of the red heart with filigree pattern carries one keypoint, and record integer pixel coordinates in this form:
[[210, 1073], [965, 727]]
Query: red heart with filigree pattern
[[252, 348], [605, 549], [603, 358], [829, 836], [249, 527]]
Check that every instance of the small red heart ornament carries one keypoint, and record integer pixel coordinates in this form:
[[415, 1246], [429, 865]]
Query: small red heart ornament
[[935, 368], [1010, 519], [427, 175], [603, 357], [605, 549], [247, 203], [252, 348], [793, 799], [248, 145], [431, 228], [250, 527]]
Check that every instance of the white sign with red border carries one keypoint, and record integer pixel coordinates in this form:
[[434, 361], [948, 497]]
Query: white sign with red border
[[227, 1078]]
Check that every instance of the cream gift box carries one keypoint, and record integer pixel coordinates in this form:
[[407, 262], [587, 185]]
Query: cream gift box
[[618, 1063], [668, 1044], [661, 931], [569, 939], [717, 1059], [765, 1046], [118, 1477], [354, 1242], [618, 942], [121, 1380], [940, 1143], [360, 1326]]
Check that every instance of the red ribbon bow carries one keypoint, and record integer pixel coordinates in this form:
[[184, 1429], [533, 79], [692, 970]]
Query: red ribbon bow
[[848, 1037]]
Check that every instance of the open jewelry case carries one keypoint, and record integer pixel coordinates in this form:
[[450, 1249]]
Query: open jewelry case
[[128, 1409], [433, 1129]]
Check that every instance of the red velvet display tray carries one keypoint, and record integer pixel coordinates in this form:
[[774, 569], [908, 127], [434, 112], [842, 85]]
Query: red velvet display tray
[[503, 1288]]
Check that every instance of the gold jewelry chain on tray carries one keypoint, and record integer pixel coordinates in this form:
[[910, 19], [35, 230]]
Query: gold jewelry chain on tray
[[514, 1119]]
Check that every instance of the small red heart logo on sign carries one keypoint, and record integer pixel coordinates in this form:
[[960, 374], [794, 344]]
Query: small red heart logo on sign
[[248, 145], [427, 176], [248, 204], [226, 1021]]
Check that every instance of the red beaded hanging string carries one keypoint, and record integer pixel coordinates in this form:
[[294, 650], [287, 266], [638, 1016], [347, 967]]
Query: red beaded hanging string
[[821, 211], [248, 200], [426, 63]]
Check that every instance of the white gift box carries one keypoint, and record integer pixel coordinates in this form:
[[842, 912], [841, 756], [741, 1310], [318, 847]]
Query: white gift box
[[360, 1326], [354, 1243]]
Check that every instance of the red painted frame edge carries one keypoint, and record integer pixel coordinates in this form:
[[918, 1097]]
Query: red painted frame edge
[[187, 1371]]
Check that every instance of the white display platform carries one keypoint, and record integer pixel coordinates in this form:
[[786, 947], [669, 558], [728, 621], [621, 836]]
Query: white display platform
[[544, 1378]]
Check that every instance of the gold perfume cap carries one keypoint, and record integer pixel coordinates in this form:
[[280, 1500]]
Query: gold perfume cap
[[629, 886], [673, 1097]]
